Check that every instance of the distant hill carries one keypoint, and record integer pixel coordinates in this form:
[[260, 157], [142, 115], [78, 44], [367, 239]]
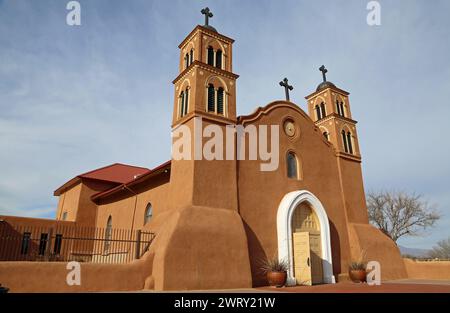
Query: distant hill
[[418, 253]]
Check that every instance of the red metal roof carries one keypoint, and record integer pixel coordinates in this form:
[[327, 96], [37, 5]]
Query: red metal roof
[[115, 173], [146, 176]]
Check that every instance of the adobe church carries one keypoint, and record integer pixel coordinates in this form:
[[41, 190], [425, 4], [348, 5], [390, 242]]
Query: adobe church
[[215, 220]]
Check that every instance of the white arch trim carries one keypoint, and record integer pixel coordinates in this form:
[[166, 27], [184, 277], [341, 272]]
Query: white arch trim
[[284, 231]]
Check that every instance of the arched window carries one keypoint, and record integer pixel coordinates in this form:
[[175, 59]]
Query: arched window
[[219, 58], [210, 56], [344, 141], [186, 101], [181, 103], [216, 100], [191, 56], [349, 143], [319, 116], [291, 160], [148, 213], [211, 98], [220, 98], [108, 234], [186, 60], [338, 107], [326, 135], [341, 105], [322, 108]]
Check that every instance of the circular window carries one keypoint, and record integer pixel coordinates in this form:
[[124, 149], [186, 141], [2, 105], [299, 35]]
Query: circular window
[[289, 127]]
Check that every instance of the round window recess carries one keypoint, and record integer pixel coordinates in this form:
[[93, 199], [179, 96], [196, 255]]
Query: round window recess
[[289, 128]]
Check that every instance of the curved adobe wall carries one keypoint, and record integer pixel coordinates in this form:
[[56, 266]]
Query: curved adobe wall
[[51, 276], [200, 248], [378, 247]]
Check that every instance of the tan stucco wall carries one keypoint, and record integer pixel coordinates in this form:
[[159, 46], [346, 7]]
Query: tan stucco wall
[[69, 202], [76, 201], [353, 190], [51, 276], [127, 210], [377, 247], [200, 248], [439, 270], [19, 221], [260, 193]]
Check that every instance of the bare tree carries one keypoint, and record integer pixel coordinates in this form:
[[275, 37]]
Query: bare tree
[[441, 250], [398, 214]]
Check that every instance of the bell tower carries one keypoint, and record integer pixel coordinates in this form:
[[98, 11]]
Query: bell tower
[[329, 108], [205, 85], [205, 89]]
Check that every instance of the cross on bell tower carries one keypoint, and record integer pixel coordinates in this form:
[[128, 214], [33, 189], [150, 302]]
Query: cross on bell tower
[[324, 72], [329, 108], [207, 14], [284, 83]]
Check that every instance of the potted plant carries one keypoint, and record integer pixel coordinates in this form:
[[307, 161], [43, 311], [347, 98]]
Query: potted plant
[[358, 272], [357, 269], [275, 270], [3, 289]]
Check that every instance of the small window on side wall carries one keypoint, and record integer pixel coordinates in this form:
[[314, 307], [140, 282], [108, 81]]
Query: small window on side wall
[[148, 213], [26, 239]]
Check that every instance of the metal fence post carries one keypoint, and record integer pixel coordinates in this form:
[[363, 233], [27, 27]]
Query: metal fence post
[[138, 244], [48, 250]]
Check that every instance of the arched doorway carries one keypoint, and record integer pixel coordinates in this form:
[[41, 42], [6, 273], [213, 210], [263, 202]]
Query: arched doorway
[[304, 238]]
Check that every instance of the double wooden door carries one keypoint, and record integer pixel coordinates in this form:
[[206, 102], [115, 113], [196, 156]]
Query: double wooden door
[[308, 267]]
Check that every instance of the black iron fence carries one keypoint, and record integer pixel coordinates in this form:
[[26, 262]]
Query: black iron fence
[[72, 243]]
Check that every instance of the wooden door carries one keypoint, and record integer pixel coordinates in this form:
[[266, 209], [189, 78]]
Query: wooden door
[[302, 261], [316, 258]]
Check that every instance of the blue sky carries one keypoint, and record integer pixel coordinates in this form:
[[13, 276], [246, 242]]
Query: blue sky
[[77, 98]]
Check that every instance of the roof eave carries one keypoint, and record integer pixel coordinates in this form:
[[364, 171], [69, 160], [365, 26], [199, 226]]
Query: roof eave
[[156, 171]]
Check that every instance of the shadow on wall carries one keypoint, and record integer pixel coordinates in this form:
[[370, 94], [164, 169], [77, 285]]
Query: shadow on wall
[[256, 253], [19, 243], [335, 249]]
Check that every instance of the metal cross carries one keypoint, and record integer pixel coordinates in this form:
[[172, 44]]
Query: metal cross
[[324, 71], [287, 87], [207, 14]]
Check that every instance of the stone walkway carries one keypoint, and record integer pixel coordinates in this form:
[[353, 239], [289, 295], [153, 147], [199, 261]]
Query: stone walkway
[[397, 286]]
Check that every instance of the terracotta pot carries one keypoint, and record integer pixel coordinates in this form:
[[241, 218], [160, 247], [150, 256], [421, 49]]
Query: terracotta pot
[[358, 276], [277, 279], [3, 289]]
